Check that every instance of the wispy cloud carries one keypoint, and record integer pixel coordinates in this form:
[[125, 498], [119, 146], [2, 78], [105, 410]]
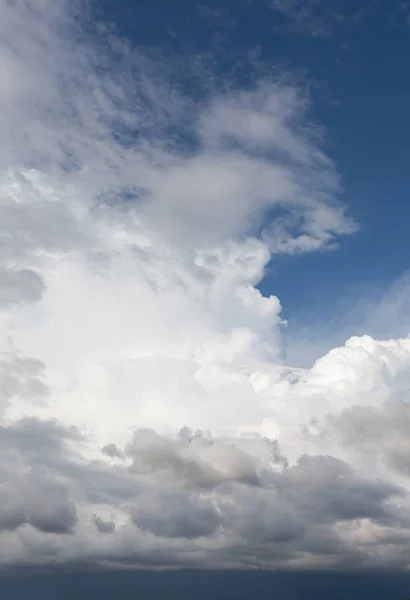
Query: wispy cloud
[[312, 17], [318, 18]]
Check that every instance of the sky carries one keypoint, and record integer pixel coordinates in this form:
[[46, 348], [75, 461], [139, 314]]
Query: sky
[[204, 298], [351, 57]]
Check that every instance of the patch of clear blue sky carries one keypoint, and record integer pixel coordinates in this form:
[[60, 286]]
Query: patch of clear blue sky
[[361, 94]]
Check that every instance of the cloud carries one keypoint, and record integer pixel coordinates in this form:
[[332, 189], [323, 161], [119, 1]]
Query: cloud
[[199, 462], [147, 418], [21, 377], [317, 18], [45, 508], [20, 286], [311, 17], [104, 526], [175, 515], [380, 311]]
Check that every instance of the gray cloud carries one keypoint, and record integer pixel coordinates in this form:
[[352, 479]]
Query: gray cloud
[[326, 489], [103, 526], [36, 500], [170, 514], [292, 509], [196, 461], [19, 286], [21, 377]]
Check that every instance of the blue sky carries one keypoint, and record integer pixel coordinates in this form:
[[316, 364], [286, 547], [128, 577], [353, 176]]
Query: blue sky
[[353, 57]]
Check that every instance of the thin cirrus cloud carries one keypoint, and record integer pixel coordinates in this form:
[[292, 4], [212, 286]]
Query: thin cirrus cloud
[[311, 17], [146, 417]]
